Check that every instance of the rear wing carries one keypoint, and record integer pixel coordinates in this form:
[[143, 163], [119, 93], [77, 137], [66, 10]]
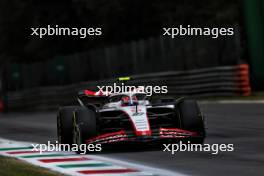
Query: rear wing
[[90, 93], [90, 97]]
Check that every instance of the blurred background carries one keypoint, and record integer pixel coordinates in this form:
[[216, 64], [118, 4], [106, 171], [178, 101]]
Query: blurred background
[[45, 73]]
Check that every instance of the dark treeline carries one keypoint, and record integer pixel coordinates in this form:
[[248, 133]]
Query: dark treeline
[[121, 21]]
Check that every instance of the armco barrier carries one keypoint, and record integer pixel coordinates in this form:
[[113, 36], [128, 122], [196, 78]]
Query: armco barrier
[[217, 81]]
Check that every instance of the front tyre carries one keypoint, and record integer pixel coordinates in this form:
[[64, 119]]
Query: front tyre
[[192, 119], [64, 124], [84, 122]]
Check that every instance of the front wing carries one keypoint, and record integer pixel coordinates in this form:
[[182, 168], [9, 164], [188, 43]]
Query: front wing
[[161, 134]]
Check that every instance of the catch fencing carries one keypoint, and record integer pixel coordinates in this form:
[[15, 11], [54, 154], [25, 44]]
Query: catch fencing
[[153, 55]]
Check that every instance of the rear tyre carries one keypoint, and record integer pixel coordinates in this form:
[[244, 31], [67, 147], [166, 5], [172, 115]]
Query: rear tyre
[[64, 124], [192, 119], [163, 101], [84, 126]]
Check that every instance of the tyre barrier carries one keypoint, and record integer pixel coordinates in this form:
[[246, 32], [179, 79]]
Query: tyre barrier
[[207, 82]]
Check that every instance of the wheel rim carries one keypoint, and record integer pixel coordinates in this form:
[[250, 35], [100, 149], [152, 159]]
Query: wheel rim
[[77, 135]]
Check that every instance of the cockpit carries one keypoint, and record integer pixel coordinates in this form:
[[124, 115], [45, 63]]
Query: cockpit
[[128, 99]]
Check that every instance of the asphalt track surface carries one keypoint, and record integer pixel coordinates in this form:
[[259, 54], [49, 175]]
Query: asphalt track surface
[[238, 124]]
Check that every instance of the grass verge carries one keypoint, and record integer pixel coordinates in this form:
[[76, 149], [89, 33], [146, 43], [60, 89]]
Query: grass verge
[[15, 167]]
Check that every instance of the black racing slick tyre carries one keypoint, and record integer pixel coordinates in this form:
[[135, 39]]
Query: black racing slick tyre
[[64, 124], [191, 118], [84, 125]]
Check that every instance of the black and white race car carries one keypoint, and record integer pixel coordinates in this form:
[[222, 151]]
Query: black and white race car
[[129, 117]]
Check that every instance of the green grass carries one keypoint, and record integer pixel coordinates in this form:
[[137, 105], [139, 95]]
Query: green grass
[[15, 167]]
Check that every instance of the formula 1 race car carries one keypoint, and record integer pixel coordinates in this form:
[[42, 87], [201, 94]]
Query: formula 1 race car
[[129, 117]]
